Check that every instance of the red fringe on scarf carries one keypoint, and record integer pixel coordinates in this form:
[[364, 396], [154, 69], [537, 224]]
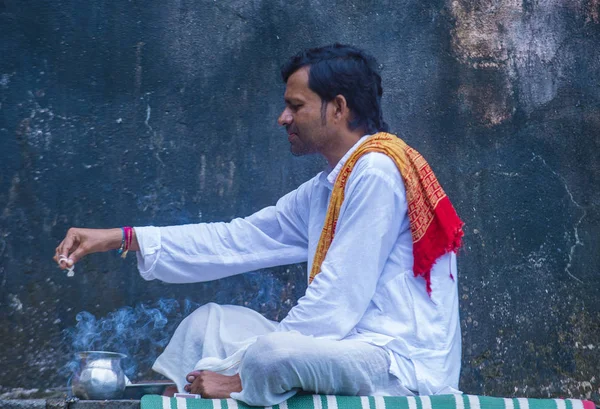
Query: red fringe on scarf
[[443, 235]]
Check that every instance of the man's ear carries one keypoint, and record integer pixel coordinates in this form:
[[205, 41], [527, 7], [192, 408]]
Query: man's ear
[[340, 108]]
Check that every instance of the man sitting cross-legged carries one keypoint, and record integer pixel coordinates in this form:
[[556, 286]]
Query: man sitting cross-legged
[[380, 313]]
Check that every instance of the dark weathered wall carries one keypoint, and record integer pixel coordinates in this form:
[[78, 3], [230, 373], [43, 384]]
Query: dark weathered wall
[[137, 112]]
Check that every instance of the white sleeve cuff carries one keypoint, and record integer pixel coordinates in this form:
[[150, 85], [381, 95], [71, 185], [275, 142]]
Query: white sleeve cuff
[[149, 240]]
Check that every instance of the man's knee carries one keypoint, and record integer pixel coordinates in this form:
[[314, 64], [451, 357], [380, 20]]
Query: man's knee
[[272, 363], [271, 353], [273, 347], [200, 315]]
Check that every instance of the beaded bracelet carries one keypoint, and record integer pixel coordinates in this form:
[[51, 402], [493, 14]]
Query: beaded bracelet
[[126, 241], [120, 251]]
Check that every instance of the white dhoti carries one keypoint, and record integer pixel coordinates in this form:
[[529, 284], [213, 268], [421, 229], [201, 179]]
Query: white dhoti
[[273, 366]]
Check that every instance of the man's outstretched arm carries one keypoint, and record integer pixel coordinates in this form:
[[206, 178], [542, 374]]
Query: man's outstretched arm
[[275, 235], [272, 236]]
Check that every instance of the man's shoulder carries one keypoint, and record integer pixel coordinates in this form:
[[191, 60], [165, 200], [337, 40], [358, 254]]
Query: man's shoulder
[[377, 162], [377, 166]]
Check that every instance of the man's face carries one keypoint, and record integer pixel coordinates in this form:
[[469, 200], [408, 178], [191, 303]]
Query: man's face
[[302, 118]]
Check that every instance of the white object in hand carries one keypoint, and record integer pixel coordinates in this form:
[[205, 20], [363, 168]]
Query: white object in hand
[[70, 270]]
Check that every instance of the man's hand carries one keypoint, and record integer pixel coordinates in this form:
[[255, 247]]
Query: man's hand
[[81, 242], [213, 385]]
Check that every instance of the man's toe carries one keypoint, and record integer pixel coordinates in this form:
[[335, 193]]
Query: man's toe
[[192, 376]]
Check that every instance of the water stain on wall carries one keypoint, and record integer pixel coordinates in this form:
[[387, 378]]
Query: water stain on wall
[[516, 42]]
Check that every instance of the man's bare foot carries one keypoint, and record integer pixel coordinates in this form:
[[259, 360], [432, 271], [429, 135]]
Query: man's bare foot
[[213, 385]]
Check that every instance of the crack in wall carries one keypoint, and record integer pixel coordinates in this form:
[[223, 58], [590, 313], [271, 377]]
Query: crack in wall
[[148, 112], [155, 140], [578, 241]]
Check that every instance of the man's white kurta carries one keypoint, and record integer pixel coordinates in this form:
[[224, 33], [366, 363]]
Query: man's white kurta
[[366, 289]]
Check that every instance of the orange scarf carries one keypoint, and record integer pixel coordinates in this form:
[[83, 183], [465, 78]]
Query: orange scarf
[[436, 228]]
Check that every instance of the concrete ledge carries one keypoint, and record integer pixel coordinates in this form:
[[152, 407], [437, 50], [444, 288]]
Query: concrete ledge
[[62, 404], [105, 404], [23, 403]]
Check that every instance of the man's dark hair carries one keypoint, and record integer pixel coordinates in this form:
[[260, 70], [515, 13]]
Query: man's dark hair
[[344, 70]]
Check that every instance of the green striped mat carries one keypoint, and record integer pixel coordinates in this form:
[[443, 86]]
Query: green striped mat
[[373, 402]]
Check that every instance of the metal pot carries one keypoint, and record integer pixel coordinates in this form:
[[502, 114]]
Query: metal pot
[[99, 376]]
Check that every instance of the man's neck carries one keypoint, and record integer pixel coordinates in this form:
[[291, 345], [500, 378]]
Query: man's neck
[[341, 145]]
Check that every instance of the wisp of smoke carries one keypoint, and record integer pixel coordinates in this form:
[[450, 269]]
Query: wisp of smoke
[[141, 333]]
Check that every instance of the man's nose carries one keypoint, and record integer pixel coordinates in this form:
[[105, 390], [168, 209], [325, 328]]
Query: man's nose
[[285, 118]]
